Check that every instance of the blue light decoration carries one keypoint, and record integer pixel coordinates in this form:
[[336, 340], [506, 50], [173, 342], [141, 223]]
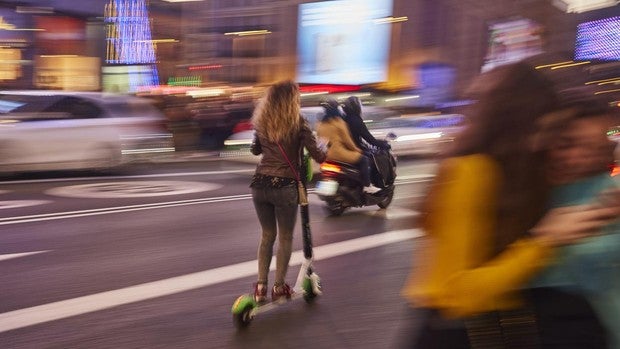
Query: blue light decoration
[[129, 41], [598, 40]]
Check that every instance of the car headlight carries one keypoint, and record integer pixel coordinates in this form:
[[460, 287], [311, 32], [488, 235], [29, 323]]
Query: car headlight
[[417, 137], [237, 142]]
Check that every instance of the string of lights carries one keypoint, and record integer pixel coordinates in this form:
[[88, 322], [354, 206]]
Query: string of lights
[[129, 40]]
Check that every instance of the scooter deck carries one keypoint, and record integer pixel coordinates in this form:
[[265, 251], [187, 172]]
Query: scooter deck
[[245, 308], [267, 306]]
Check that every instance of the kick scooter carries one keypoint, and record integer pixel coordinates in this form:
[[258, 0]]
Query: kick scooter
[[308, 284]]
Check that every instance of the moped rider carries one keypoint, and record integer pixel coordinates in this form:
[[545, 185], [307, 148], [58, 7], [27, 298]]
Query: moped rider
[[352, 108], [333, 130]]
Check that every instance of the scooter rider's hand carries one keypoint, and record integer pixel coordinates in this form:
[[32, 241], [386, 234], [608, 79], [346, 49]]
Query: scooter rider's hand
[[385, 145]]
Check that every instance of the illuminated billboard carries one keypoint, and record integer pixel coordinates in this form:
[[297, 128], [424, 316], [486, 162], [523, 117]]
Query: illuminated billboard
[[512, 40], [343, 42], [598, 40]]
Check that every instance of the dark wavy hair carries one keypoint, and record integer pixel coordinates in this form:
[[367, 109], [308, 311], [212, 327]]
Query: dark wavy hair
[[502, 124], [277, 114]]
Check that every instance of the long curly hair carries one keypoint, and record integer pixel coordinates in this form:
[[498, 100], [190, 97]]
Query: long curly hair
[[277, 115], [502, 124]]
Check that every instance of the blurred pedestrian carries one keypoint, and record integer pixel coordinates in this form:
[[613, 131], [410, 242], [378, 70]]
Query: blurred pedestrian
[[281, 134], [340, 145], [584, 275], [487, 223]]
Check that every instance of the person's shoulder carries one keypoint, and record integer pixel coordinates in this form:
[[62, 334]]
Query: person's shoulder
[[479, 163], [333, 122], [353, 119], [471, 169]]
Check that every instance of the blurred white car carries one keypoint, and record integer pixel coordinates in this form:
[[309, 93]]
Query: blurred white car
[[57, 130], [425, 135]]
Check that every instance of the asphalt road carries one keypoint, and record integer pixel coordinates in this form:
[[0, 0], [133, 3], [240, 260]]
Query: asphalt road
[[154, 258]]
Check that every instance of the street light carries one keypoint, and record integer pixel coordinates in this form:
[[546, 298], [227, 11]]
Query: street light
[[391, 19], [249, 32]]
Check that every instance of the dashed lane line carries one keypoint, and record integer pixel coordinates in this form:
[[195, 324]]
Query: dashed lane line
[[21, 203], [4, 257]]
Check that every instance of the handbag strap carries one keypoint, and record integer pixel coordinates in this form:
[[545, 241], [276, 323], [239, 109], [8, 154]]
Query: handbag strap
[[289, 162]]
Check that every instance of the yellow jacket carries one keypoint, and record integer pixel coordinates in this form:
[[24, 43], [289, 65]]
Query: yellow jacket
[[340, 144], [460, 276]]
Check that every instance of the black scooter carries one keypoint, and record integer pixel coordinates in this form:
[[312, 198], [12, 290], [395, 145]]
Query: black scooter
[[341, 184]]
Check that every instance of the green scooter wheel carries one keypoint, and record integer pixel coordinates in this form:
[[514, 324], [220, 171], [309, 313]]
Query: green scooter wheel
[[242, 311], [310, 286]]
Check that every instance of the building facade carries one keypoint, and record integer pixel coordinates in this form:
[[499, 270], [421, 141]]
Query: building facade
[[255, 41], [454, 33]]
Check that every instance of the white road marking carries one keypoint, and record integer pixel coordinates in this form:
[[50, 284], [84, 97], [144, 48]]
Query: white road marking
[[393, 213], [414, 177], [21, 203], [77, 306], [158, 175], [141, 207], [120, 209], [4, 257], [132, 189], [117, 209]]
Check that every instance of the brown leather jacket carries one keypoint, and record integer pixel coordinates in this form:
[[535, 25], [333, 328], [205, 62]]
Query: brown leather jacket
[[273, 162]]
